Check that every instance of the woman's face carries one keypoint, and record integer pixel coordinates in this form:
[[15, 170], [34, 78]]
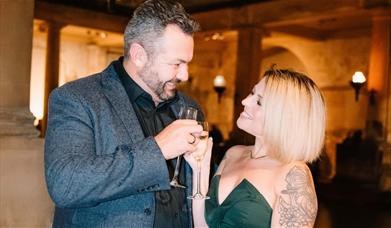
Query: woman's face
[[251, 119]]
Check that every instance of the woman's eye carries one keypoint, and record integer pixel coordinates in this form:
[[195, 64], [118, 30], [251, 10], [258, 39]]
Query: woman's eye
[[259, 103]]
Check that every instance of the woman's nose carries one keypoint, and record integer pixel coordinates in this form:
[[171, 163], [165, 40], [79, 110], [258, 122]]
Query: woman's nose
[[245, 101]]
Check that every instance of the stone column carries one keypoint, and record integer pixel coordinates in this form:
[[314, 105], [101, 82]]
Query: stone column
[[379, 83], [247, 72], [52, 66], [379, 61], [24, 201]]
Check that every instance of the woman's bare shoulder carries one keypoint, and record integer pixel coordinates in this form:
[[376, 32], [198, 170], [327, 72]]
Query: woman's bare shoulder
[[288, 166], [295, 170], [231, 156], [294, 176], [236, 151]]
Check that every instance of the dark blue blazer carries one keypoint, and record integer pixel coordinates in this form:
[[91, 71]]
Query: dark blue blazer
[[100, 169]]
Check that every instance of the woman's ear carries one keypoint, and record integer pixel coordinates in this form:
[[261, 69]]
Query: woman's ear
[[138, 55]]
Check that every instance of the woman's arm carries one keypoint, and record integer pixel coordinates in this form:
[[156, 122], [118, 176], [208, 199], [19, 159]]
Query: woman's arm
[[199, 205], [296, 204]]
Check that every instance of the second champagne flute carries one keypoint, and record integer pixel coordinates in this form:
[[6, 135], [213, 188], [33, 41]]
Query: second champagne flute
[[198, 155], [184, 113]]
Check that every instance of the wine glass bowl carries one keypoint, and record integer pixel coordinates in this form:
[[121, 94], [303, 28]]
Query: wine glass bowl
[[200, 150]]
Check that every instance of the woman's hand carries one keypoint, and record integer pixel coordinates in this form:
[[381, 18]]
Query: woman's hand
[[199, 205], [205, 163]]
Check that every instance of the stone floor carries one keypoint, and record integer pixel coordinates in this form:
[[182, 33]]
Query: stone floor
[[352, 204]]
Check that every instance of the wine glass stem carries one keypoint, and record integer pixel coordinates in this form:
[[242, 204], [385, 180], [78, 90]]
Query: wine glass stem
[[178, 162], [198, 177]]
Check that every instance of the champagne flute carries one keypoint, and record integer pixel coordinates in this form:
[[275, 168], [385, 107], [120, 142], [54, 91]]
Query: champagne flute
[[198, 155], [185, 112]]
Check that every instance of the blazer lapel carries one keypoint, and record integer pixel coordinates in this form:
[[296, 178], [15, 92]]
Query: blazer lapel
[[117, 96]]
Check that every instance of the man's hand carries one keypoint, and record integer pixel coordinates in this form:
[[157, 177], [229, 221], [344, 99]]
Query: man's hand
[[177, 138]]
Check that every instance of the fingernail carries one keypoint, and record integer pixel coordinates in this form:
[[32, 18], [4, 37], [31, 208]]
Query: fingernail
[[211, 139]]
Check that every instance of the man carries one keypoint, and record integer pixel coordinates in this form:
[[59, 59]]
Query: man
[[113, 137]]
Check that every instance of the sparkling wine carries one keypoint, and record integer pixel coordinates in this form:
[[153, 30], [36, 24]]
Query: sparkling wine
[[199, 153]]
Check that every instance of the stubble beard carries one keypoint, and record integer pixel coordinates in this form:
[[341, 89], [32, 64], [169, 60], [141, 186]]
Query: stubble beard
[[151, 79]]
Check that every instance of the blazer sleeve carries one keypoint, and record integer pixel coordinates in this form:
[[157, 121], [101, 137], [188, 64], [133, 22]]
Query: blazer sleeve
[[77, 177]]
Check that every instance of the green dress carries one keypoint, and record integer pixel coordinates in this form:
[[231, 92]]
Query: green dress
[[244, 207]]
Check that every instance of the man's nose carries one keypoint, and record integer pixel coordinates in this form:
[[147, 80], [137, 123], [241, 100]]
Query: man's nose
[[183, 73]]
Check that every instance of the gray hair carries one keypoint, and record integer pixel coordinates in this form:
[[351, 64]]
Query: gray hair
[[151, 18]]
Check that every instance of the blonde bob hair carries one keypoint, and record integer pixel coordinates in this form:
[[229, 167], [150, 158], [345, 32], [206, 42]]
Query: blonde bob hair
[[295, 116]]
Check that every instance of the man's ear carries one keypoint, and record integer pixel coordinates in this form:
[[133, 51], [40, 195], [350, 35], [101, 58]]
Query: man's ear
[[138, 55]]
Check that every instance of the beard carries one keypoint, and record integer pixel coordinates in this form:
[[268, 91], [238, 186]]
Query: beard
[[151, 78]]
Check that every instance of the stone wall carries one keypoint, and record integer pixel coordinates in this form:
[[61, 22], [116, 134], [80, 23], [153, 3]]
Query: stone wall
[[24, 201], [331, 64], [210, 59]]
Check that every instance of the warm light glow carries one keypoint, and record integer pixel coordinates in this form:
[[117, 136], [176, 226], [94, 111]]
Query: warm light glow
[[103, 35], [358, 77], [37, 82], [219, 81], [77, 58], [217, 36], [37, 86], [214, 36]]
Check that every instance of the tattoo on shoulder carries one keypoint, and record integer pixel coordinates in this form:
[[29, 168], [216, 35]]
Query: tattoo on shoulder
[[298, 204]]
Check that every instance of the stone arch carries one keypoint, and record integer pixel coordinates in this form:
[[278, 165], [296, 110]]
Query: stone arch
[[283, 57]]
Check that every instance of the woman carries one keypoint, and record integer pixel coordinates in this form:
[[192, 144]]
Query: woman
[[268, 184]]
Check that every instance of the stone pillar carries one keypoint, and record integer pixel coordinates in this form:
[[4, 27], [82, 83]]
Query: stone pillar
[[24, 201], [379, 83], [52, 67], [247, 72], [379, 61]]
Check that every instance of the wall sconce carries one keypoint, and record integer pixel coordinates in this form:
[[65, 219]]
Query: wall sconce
[[358, 80], [219, 85]]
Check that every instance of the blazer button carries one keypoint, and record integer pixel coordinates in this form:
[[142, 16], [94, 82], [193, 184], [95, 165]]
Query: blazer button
[[147, 211]]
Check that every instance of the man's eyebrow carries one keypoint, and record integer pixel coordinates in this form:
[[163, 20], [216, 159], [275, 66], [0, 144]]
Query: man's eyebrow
[[181, 60]]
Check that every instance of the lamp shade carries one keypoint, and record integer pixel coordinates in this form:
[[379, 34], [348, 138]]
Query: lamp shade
[[358, 77], [219, 81]]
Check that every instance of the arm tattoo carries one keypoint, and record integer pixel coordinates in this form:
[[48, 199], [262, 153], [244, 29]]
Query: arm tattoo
[[301, 206]]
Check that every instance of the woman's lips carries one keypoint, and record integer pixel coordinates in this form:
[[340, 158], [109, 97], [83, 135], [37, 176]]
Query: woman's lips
[[244, 114]]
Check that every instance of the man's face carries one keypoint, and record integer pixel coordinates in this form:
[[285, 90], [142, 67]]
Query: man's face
[[169, 64]]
